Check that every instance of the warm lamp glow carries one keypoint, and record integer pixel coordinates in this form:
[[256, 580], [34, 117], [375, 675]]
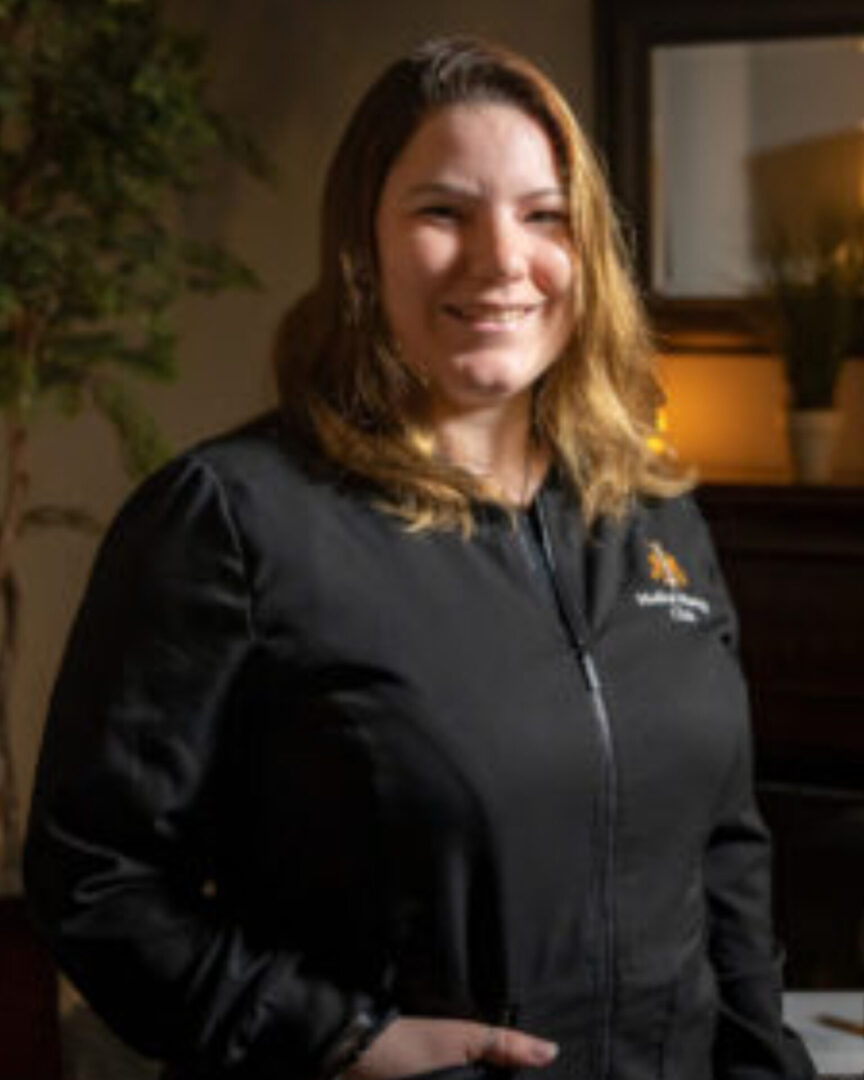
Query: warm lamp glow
[[658, 441], [725, 414]]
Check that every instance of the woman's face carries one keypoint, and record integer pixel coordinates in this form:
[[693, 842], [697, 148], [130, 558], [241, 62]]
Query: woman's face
[[475, 257]]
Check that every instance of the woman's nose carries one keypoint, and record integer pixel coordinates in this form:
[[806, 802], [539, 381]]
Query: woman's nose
[[496, 248]]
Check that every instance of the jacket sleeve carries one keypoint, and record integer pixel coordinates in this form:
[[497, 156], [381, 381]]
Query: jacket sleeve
[[751, 1041], [114, 869]]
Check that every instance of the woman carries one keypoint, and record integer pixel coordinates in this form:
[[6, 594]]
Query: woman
[[401, 732]]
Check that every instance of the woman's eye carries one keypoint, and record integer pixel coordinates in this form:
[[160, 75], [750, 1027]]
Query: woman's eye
[[439, 212], [549, 217]]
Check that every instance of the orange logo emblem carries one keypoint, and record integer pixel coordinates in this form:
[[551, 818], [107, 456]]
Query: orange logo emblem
[[664, 567]]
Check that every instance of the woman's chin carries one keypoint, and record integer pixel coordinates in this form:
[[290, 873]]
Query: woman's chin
[[477, 399], [482, 385]]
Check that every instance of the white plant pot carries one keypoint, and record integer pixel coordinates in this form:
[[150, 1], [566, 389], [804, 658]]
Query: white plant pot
[[812, 438]]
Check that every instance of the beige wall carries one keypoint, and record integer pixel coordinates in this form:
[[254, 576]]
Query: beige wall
[[293, 69]]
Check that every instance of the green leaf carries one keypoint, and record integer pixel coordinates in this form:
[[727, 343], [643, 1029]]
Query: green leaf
[[210, 268], [816, 283], [62, 517], [240, 146], [142, 446], [67, 397]]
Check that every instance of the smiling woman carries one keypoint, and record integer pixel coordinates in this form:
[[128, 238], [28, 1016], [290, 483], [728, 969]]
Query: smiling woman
[[463, 151], [334, 787]]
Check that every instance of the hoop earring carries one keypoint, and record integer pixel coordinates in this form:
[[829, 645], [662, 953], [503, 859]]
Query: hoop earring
[[355, 287]]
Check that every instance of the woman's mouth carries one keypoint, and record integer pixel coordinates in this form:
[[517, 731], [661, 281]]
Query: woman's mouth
[[490, 316]]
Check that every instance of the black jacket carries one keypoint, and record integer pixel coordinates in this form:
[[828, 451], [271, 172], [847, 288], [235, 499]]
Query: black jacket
[[302, 763]]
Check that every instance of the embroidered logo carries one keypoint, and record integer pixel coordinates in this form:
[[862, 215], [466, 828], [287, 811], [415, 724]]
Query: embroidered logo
[[665, 569]]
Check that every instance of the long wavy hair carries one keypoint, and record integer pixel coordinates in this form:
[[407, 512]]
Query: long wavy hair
[[342, 384]]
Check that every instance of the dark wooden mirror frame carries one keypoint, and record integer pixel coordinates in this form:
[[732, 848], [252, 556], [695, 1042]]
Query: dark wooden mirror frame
[[626, 31]]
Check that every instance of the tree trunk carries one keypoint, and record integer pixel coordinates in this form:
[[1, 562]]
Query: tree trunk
[[17, 483]]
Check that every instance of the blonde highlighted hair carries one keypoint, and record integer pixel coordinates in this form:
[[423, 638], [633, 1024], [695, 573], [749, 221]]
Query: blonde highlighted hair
[[343, 386]]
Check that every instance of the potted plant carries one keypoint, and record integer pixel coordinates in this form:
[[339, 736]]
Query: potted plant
[[816, 294], [103, 125]]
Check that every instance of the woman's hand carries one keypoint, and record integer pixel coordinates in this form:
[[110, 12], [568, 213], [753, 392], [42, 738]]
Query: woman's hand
[[417, 1044]]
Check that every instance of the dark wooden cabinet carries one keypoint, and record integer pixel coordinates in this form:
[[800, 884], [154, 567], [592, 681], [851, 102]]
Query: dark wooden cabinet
[[29, 1032], [794, 561]]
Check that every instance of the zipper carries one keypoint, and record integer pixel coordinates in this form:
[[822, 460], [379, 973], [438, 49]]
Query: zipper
[[577, 634]]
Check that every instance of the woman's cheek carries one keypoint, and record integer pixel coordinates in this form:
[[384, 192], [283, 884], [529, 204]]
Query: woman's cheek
[[560, 267], [436, 255]]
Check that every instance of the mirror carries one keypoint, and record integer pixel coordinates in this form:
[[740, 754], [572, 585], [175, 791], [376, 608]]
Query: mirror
[[743, 133], [706, 110]]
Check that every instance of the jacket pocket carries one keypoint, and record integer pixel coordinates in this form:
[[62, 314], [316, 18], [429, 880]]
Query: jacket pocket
[[475, 1070], [687, 1053]]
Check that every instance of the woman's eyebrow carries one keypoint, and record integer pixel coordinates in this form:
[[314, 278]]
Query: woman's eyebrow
[[440, 187], [545, 193]]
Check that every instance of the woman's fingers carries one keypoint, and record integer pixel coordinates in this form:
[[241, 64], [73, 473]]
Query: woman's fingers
[[510, 1048], [413, 1045]]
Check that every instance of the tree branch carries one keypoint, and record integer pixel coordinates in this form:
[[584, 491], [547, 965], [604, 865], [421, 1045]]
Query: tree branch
[[17, 487]]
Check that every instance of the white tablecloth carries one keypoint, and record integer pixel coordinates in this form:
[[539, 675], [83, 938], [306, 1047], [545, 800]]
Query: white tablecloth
[[834, 1051]]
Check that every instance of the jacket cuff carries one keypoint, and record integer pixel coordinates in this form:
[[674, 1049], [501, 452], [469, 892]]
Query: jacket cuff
[[363, 1027]]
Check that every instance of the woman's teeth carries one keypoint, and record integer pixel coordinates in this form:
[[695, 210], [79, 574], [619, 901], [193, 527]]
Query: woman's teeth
[[501, 316]]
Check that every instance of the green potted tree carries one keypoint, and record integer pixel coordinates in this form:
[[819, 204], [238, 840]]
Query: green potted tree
[[103, 126], [816, 293]]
